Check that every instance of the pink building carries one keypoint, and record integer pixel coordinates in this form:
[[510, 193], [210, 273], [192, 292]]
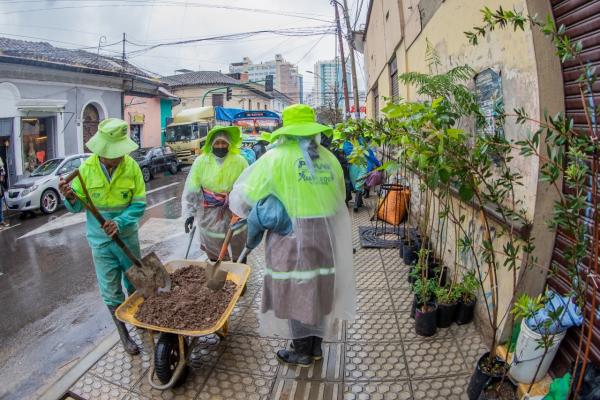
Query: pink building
[[146, 117]]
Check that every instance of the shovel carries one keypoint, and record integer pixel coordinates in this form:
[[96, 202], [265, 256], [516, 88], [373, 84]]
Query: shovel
[[217, 277], [148, 275]]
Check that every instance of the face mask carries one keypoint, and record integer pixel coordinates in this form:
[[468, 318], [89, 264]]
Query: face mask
[[220, 151]]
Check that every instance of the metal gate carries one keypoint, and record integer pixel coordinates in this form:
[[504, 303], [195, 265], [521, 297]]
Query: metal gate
[[582, 21]]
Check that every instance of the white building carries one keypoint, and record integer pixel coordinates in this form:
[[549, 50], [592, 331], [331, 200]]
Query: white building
[[328, 83]]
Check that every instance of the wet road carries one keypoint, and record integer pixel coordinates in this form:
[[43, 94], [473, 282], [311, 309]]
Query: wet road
[[52, 313]]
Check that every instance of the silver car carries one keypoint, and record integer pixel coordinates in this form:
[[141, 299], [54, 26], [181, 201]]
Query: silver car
[[40, 189]]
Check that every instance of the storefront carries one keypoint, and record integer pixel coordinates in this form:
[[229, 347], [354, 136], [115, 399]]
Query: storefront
[[136, 127], [38, 143], [6, 150]]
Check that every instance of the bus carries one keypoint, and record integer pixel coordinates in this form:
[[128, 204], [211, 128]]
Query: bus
[[187, 133], [253, 123]]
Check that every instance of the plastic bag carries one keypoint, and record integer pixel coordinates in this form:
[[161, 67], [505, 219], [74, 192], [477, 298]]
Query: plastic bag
[[393, 208], [570, 316]]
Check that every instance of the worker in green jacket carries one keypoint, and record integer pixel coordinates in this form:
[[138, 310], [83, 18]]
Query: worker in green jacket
[[205, 197], [115, 184]]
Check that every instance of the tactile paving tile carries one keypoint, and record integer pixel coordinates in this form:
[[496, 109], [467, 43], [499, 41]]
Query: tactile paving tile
[[466, 330], [402, 298], [250, 325], [397, 277], [391, 256], [329, 368], [251, 355], [407, 329], [472, 348], [187, 391], [90, 386], [373, 328], [205, 350], [120, 368], [374, 362], [447, 388], [399, 390], [236, 316], [369, 301], [371, 280], [225, 385], [367, 260], [248, 297], [290, 389], [434, 358]]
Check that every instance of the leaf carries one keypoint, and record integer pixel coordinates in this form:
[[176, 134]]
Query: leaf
[[465, 192]]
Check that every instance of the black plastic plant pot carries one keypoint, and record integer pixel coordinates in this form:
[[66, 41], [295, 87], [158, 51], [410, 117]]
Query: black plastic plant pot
[[410, 253], [486, 373], [465, 312], [426, 321], [446, 313]]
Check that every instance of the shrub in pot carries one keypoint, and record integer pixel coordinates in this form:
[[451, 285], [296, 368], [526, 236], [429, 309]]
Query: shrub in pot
[[447, 305], [426, 310], [467, 298]]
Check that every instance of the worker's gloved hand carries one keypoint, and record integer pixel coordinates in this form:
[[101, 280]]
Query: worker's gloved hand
[[189, 222], [110, 228], [66, 190]]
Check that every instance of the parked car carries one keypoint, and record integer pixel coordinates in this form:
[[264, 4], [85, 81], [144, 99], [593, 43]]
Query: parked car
[[40, 189], [153, 160]]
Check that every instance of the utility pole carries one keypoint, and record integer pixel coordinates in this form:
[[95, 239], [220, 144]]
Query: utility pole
[[123, 57], [342, 59], [352, 61]]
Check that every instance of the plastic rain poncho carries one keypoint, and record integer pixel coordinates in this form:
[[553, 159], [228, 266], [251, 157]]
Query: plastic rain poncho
[[309, 284], [206, 196]]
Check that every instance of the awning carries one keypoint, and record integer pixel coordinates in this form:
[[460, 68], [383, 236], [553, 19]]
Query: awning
[[41, 105]]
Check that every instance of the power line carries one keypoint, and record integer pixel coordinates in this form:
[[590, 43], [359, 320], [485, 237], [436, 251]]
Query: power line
[[164, 3]]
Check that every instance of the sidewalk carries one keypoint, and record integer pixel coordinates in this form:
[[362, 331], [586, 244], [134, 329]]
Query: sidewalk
[[377, 356]]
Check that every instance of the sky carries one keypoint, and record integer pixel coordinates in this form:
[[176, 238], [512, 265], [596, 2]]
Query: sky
[[86, 23]]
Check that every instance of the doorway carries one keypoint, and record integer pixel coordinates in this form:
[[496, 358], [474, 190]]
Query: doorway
[[91, 119]]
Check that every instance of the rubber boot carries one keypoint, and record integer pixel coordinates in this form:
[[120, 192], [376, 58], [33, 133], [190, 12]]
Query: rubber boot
[[128, 343], [316, 351], [358, 202], [299, 354]]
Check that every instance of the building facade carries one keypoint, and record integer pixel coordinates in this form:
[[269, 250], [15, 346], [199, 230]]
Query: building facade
[[209, 88], [328, 89], [286, 78], [147, 116], [522, 68], [52, 99]]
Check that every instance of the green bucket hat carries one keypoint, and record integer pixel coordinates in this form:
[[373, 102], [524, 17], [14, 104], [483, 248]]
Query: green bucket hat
[[233, 132], [300, 120], [265, 137], [112, 139]]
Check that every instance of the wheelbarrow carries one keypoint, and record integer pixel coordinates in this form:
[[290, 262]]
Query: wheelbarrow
[[169, 355]]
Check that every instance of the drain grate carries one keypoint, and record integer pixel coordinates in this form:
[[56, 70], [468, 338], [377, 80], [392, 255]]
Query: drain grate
[[380, 237]]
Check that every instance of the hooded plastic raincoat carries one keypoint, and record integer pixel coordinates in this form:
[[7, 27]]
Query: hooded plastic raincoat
[[309, 284], [206, 193]]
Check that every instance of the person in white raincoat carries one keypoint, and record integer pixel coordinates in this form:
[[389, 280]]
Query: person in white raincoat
[[206, 193], [309, 283]]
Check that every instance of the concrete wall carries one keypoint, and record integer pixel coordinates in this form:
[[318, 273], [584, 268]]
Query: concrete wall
[[530, 78], [192, 97], [150, 108], [74, 91]]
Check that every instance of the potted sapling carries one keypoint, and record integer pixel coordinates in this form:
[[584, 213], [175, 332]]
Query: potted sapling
[[467, 298], [426, 309], [446, 299]]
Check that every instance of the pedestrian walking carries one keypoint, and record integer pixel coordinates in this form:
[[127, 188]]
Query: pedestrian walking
[[116, 186], [309, 285], [360, 170], [206, 194]]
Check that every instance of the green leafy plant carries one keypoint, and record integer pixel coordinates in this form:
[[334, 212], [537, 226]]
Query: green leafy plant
[[468, 288]]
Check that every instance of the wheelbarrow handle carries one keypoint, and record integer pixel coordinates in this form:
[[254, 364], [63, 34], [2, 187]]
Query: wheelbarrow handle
[[89, 205]]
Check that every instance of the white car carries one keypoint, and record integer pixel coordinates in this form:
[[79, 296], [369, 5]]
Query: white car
[[40, 189]]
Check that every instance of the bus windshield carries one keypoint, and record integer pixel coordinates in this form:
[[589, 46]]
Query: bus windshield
[[181, 133], [253, 126]]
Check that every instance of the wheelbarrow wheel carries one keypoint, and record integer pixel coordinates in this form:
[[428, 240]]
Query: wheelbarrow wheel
[[167, 358]]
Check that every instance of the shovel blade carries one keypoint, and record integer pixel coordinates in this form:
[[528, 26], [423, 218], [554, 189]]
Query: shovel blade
[[218, 280], [151, 277]]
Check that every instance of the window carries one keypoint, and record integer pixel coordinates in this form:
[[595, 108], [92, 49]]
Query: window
[[38, 140], [488, 88], [394, 84], [217, 100], [265, 106], [69, 166], [249, 104], [258, 105]]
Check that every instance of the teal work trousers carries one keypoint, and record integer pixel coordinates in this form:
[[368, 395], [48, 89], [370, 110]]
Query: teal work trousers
[[111, 263]]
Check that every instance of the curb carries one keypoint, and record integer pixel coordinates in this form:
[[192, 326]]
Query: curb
[[58, 388]]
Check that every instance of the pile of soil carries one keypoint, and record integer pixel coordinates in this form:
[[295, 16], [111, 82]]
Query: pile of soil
[[189, 305]]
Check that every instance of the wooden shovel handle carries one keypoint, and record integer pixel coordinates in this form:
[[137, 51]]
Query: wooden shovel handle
[[89, 205], [228, 236]]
